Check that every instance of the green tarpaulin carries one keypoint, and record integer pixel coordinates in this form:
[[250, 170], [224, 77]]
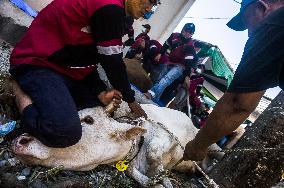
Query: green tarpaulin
[[220, 65]]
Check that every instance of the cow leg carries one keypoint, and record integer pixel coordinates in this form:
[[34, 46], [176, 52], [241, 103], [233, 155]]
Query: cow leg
[[154, 158], [165, 181], [138, 176], [158, 186]]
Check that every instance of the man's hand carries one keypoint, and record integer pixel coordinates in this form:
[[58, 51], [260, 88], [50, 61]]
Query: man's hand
[[139, 56], [113, 95], [193, 152], [187, 82], [158, 57], [137, 110]]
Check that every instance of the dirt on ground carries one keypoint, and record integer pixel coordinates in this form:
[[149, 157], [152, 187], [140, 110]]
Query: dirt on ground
[[260, 168]]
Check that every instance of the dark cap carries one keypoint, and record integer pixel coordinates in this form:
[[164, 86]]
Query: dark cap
[[189, 27], [147, 26], [155, 2], [236, 23]]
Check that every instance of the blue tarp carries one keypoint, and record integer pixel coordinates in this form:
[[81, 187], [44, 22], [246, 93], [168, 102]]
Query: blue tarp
[[24, 7]]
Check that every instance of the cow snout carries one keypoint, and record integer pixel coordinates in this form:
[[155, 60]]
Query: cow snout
[[21, 143]]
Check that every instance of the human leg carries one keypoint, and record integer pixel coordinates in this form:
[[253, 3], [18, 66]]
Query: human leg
[[52, 117], [157, 72], [174, 72]]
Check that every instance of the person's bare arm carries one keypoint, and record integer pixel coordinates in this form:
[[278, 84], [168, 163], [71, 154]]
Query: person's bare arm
[[230, 111]]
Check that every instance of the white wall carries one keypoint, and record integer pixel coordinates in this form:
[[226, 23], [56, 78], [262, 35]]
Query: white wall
[[165, 19], [163, 22], [38, 4]]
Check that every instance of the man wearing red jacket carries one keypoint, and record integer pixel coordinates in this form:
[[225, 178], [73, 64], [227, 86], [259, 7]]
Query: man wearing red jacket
[[144, 33], [129, 31], [180, 53], [55, 65]]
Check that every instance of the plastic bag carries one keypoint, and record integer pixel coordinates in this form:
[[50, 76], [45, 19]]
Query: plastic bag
[[6, 125]]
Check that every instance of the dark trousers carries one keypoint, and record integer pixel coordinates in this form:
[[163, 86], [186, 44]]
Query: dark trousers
[[53, 118]]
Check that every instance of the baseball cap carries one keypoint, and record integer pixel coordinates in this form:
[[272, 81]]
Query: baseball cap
[[236, 23], [147, 26]]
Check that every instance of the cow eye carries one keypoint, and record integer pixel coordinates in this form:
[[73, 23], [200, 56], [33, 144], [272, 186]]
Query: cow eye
[[88, 119]]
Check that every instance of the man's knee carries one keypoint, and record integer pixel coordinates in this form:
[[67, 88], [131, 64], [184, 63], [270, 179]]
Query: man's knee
[[65, 136], [59, 134], [64, 141]]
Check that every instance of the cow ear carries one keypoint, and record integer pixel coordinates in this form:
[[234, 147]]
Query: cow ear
[[134, 132], [128, 134]]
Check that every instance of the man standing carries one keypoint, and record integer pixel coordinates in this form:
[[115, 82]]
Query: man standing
[[261, 68], [54, 65]]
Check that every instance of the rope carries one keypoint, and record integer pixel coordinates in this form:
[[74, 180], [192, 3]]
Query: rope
[[237, 1], [136, 122], [208, 18], [157, 178], [170, 133], [209, 180], [245, 150]]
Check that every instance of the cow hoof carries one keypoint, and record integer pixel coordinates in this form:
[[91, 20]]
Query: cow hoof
[[158, 186]]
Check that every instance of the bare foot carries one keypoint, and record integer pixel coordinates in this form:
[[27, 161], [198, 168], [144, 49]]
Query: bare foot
[[21, 98]]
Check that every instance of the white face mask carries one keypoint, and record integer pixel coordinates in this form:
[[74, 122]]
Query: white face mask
[[199, 71], [143, 30]]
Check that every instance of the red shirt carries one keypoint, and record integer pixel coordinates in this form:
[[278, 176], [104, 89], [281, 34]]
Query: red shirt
[[61, 23]]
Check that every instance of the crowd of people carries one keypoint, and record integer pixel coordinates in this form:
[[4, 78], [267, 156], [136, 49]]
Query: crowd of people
[[168, 62], [173, 64], [56, 75]]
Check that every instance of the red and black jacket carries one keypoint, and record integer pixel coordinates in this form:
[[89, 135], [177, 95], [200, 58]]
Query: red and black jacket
[[180, 50], [153, 48], [72, 36], [129, 31], [144, 36]]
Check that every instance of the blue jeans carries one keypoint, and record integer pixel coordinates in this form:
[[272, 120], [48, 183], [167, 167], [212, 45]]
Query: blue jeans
[[157, 72], [171, 74]]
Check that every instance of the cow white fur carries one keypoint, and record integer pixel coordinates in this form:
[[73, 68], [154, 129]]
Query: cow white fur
[[107, 141]]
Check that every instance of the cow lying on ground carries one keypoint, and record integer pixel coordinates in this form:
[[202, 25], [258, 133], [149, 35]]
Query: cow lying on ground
[[106, 141]]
